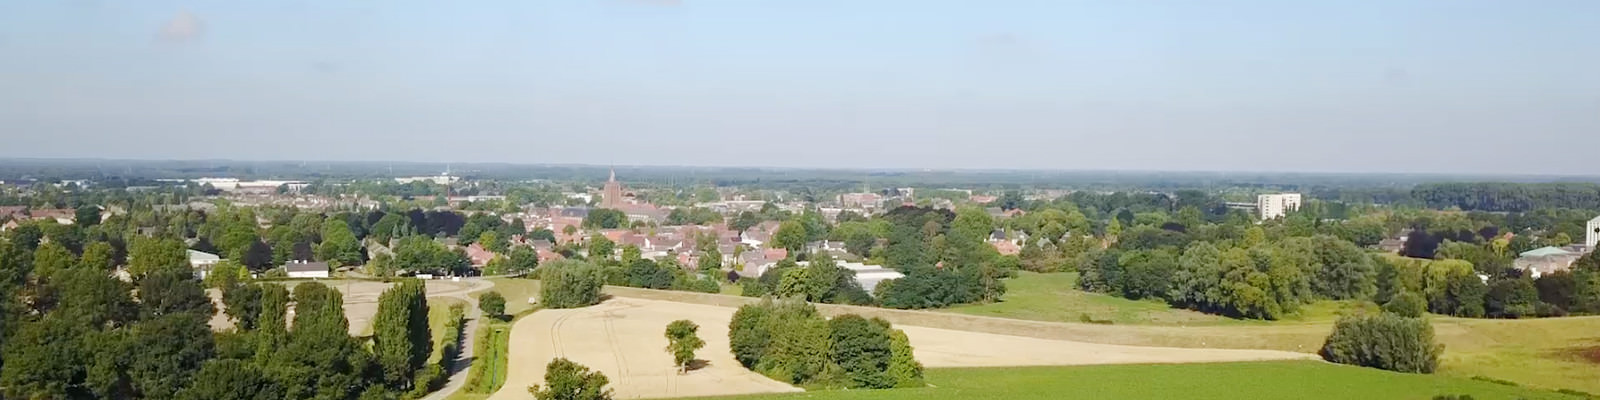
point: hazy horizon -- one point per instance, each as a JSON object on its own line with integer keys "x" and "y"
{"x": 1433, "y": 87}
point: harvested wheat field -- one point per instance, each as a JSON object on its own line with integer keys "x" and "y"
{"x": 623, "y": 338}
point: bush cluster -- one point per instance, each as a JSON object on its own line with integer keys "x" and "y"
{"x": 569, "y": 284}
{"x": 788, "y": 341}
{"x": 1386, "y": 341}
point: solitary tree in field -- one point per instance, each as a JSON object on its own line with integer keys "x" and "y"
{"x": 682, "y": 341}
{"x": 492, "y": 304}
{"x": 567, "y": 380}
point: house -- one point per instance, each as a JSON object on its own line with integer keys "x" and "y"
{"x": 548, "y": 255}
{"x": 1006, "y": 247}
{"x": 13, "y": 212}
{"x": 64, "y": 216}
{"x": 306, "y": 269}
{"x": 1545, "y": 260}
{"x": 479, "y": 255}
{"x": 202, "y": 262}
{"x": 821, "y": 246}
{"x": 9, "y": 225}
{"x": 1391, "y": 245}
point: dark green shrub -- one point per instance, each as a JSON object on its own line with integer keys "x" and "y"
{"x": 569, "y": 284}
{"x": 1407, "y": 304}
{"x": 1385, "y": 341}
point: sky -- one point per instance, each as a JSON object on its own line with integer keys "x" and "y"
{"x": 1446, "y": 86}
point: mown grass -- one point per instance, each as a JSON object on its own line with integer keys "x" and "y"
{"x": 1545, "y": 353}
{"x": 488, "y": 371}
{"x": 438, "y": 325}
{"x": 1254, "y": 380}
{"x": 517, "y": 291}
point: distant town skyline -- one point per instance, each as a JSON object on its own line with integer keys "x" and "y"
{"x": 1452, "y": 87}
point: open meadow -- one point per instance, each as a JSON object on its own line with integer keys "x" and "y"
{"x": 1306, "y": 380}
{"x": 1553, "y": 353}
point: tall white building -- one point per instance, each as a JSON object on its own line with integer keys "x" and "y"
{"x": 1277, "y": 205}
{"x": 1591, "y": 232}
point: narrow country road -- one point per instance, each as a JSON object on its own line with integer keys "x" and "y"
{"x": 469, "y": 336}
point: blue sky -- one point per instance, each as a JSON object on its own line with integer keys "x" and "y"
{"x": 1311, "y": 85}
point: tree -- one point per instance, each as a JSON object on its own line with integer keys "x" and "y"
{"x": 522, "y": 260}
{"x": 567, "y": 380}
{"x": 601, "y": 248}
{"x": 1406, "y": 304}
{"x": 492, "y": 304}
{"x": 150, "y": 255}
{"x": 231, "y": 380}
{"x": 242, "y": 302}
{"x": 87, "y": 216}
{"x": 98, "y": 256}
{"x": 682, "y": 341}
{"x": 570, "y": 284}
{"x": 173, "y": 292}
{"x": 339, "y": 244}
{"x": 271, "y": 328}
{"x": 605, "y": 218}
{"x": 165, "y": 351}
{"x": 226, "y": 273}
{"x": 52, "y": 257}
{"x": 903, "y": 366}
{"x": 1511, "y": 298}
{"x": 1385, "y": 341}
{"x": 791, "y": 235}
{"x": 861, "y": 347}
{"x": 401, "y": 341}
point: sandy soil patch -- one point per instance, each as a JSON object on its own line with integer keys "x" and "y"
{"x": 623, "y": 338}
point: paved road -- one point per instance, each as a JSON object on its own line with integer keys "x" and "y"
{"x": 469, "y": 336}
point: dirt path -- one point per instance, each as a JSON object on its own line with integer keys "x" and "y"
{"x": 623, "y": 338}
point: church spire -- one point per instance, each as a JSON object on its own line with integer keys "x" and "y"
{"x": 613, "y": 176}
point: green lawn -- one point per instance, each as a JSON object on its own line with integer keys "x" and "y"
{"x": 1257, "y": 380}
{"x": 516, "y": 291}
{"x": 438, "y": 316}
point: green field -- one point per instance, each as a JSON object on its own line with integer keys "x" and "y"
{"x": 516, "y": 291}
{"x": 438, "y": 316}
{"x": 1546, "y": 352}
{"x": 1257, "y": 380}
{"x": 1055, "y": 297}
{"x": 489, "y": 363}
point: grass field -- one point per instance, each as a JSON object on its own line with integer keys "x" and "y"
{"x": 1546, "y": 353}
{"x": 1258, "y": 380}
{"x": 1055, "y": 297}
{"x": 438, "y": 316}
{"x": 516, "y": 291}
{"x": 489, "y": 365}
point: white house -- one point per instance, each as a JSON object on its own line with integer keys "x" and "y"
{"x": 306, "y": 269}
{"x": 1591, "y": 232}
{"x": 202, "y": 262}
